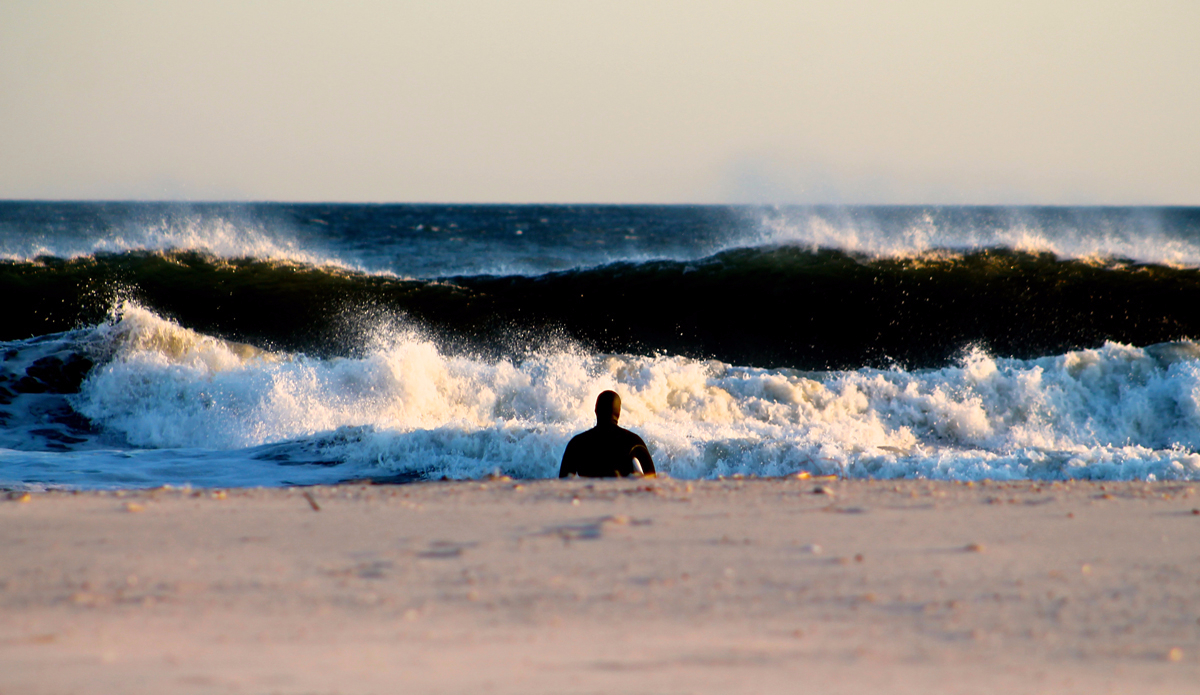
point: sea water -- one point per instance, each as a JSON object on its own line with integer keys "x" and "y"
{"x": 275, "y": 344}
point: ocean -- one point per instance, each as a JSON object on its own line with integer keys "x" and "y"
{"x": 271, "y": 344}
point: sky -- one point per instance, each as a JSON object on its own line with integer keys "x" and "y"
{"x": 656, "y": 101}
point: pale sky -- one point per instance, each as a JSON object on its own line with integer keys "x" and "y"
{"x": 913, "y": 101}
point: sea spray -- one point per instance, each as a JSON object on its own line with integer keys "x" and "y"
{"x": 407, "y": 407}
{"x": 1143, "y": 235}
{"x": 279, "y": 344}
{"x": 80, "y": 230}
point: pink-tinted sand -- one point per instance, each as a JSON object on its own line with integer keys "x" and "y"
{"x": 655, "y": 586}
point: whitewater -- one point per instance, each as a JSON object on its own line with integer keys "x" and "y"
{"x": 177, "y": 407}
{"x": 140, "y": 398}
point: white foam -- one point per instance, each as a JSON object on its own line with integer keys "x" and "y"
{"x": 1140, "y": 237}
{"x": 1113, "y": 412}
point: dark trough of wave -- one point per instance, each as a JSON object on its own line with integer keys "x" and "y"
{"x": 773, "y": 307}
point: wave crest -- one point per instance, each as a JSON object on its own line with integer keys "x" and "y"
{"x": 1092, "y": 234}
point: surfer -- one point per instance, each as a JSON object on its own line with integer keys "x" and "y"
{"x": 606, "y": 450}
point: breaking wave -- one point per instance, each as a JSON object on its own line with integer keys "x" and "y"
{"x": 406, "y": 408}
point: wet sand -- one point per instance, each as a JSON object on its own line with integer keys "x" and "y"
{"x": 659, "y": 586}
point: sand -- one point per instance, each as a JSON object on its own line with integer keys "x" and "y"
{"x": 657, "y": 586}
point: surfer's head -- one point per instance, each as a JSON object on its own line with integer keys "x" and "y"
{"x": 608, "y": 408}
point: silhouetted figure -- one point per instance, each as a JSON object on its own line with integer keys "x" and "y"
{"x": 606, "y": 451}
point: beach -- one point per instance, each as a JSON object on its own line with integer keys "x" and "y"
{"x": 543, "y": 586}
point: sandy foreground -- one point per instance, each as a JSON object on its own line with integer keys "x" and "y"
{"x": 657, "y": 586}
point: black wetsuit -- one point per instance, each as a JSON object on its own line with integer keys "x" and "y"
{"x": 605, "y": 451}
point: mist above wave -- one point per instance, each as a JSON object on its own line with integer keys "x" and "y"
{"x": 430, "y": 241}
{"x": 71, "y": 231}
{"x": 1169, "y": 237}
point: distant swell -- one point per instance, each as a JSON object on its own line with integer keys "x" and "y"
{"x": 769, "y": 307}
